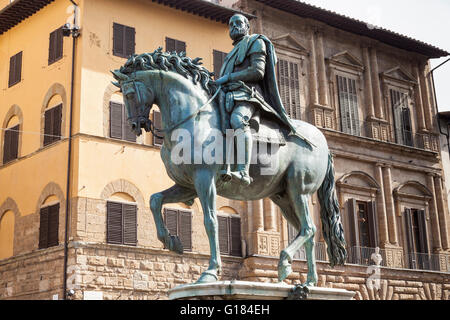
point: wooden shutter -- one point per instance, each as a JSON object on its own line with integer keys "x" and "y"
{"x": 15, "y": 69}
{"x": 114, "y": 230}
{"x": 118, "y": 40}
{"x": 48, "y": 126}
{"x": 175, "y": 45}
{"x": 348, "y": 102}
{"x": 11, "y": 144}
{"x": 157, "y": 122}
{"x": 219, "y": 58}
{"x": 57, "y": 119}
{"x": 43, "y": 228}
{"x": 185, "y": 229}
{"x": 406, "y": 127}
{"x": 53, "y": 225}
{"x": 397, "y": 112}
{"x": 130, "y": 41}
{"x": 235, "y": 236}
{"x": 353, "y": 222}
{"x": 224, "y": 242}
{"x": 171, "y": 221}
{"x": 129, "y": 224}
{"x": 115, "y": 120}
{"x": 289, "y": 86}
{"x": 55, "y": 50}
{"x": 423, "y": 243}
{"x": 409, "y": 239}
{"x": 373, "y": 224}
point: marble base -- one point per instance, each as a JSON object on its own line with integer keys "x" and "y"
{"x": 244, "y": 290}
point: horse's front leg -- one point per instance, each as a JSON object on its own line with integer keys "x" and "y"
{"x": 173, "y": 195}
{"x": 204, "y": 181}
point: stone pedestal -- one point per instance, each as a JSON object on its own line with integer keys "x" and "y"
{"x": 244, "y": 290}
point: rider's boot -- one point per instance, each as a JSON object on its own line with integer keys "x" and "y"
{"x": 242, "y": 169}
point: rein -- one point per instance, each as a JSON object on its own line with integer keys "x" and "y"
{"x": 170, "y": 129}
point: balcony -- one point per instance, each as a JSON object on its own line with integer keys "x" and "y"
{"x": 367, "y": 257}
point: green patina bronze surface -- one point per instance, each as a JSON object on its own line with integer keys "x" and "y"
{"x": 190, "y": 100}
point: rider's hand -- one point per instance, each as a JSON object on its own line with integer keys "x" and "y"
{"x": 222, "y": 80}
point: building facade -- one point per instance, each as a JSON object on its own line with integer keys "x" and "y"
{"x": 64, "y": 133}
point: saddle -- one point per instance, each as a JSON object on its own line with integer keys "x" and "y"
{"x": 266, "y": 131}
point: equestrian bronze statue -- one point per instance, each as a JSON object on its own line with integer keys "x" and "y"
{"x": 198, "y": 113}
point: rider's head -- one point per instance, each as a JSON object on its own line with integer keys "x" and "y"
{"x": 239, "y": 26}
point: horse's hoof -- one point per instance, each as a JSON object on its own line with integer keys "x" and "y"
{"x": 175, "y": 245}
{"x": 208, "y": 276}
{"x": 284, "y": 267}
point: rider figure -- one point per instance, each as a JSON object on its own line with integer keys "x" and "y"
{"x": 249, "y": 85}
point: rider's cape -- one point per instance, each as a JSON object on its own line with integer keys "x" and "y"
{"x": 269, "y": 85}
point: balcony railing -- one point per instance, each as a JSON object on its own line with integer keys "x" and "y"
{"x": 368, "y": 256}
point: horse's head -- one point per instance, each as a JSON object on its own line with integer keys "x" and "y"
{"x": 138, "y": 99}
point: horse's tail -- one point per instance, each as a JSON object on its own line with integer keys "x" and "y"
{"x": 333, "y": 231}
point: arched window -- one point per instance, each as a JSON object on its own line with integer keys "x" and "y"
{"x": 11, "y": 140}
{"x": 6, "y": 234}
{"x": 121, "y": 220}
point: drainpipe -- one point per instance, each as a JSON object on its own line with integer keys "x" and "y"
{"x": 69, "y": 30}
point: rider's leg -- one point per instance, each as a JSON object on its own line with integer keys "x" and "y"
{"x": 240, "y": 118}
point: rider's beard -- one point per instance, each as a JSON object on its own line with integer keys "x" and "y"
{"x": 238, "y": 33}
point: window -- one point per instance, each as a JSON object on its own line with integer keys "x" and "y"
{"x": 363, "y": 226}
{"x": 15, "y": 69}
{"x": 119, "y": 126}
{"x": 55, "y": 49}
{"x": 179, "y": 223}
{"x": 289, "y": 85}
{"x": 175, "y": 45}
{"x": 416, "y": 239}
{"x": 402, "y": 118}
{"x": 121, "y": 221}
{"x": 11, "y": 144}
{"x": 230, "y": 235}
{"x": 49, "y": 225}
{"x": 348, "y": 102}
{"x": 157, "y": 122}
{"x": 52, "y": 125}
{"x": 219, "y": 58}
{"x": 124, "y": 40}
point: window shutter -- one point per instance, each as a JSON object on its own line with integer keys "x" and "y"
{"x": 223, "y": 235}
{"x": 353, "y": 222}
{"x": 185, "y": 229}
{"x": 18, "y": 76}
{"x": 11, "y": 144}
{"x": 118, "y": 40}
{"x": 409, "y": 239}
{"x": 43, "y": 228}
{"x": 180, "y": 46}
{"x": 114, "y": 234}
{"x": 219, "y": 58}
{"x": 52, "y": 48}
{"x": 348, "y": 102}
{"x": 53, "y": 225}
{"x": 129, "y": 224}
{"x": 59, "y": 49}
{"x": 15, "y": 69}
{"x": 157, "y": 122}
{"x": 373, "y": 224}
{"x": 423, "y": 243}
{"x": 289, "y": 86}
{"x": 128, "y": 134}
{"x": 235, "y": 236}
{"x": 48, "y": 125}
{"x": 397, "y": 112}
{"x": 115, "y": 118}
{"x": 130, "y": 41}
{"x": 407, "y": 128}
{"x": 170, "y": 45}
{"x": 175, "y": 45}
{"x": 57, "y": 119}
{"x": 171, "y": 221}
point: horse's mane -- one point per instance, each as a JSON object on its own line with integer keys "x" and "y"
{"x": 176, "y": 62}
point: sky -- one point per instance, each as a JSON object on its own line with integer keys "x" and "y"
{"x": 427, "y": 21}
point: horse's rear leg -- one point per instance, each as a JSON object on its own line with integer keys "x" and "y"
{"x": 303, "y": 222}
{"x": 173, "y": 195}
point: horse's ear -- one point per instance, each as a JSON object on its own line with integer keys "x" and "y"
{"x": 116, "y": 84}
{"x": 119, "y": 75}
